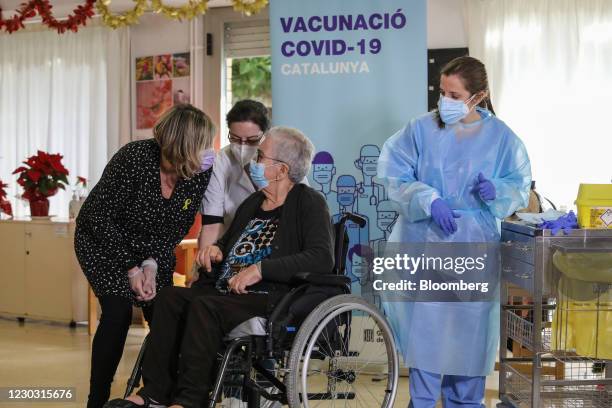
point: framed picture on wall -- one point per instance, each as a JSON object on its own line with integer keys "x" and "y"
{"x": 161, "y": 81}
{"x": 181, "y": 64}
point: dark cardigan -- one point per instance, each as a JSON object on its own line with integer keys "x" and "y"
{"x": 303, "y": 241}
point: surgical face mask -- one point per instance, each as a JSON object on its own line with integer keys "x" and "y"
{"x": 358, "y": 270}
{"x": 346, "y": 199}
{"x": 256, "y": 171}
{"x": 322, "y": 176}
{"x": 243, "y": 152}
{"x": 207, "y": 158}
{"x": 369, "y": 166}
{"x": 385, "y": 224}
{"x": 451, "y": 110}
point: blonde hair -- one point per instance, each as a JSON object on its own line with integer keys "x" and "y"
{"x": 182, "y": 133}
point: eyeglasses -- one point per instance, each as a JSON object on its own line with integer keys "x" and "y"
{"x": 261, "y": 156}
{"x": 249, "y": 140}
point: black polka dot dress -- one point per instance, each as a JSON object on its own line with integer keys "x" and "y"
{"x": 126, "y": 220}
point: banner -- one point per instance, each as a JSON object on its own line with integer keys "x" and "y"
{"x": 349, "y": 74}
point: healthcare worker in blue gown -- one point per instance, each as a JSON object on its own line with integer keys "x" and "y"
{"x": 455, "y": 172}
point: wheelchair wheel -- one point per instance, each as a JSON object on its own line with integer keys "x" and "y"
{"x": 343, "y": 351}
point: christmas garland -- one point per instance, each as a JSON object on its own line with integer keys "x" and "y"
{"x": 189, "y": 11}
{"x": 78, "y": 17}
{"x": 186, "y": 12}
{"x": 82, "y": 13}
{"x": 249, "y": 7}
{"x": 120, "y": 20}
{"x": 15, "y": 23}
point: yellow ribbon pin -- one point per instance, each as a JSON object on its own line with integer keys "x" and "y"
{"x": 186, "y": 204}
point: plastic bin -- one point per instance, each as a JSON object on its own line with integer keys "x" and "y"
{"x": 583, "y": 318}
{"x": 594, "y": 204}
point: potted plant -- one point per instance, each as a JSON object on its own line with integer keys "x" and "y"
{"x": 5, "y": 205}
{"x": 41, "y": 177}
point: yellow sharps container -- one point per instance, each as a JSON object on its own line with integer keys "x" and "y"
{"x": 594, "y": 204}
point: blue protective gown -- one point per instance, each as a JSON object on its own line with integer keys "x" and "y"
{"x": 419, "y": 164}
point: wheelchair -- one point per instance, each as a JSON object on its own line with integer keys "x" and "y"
{"x": 319, "y": 346}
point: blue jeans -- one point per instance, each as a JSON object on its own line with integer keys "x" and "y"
{"x": 457, "y": 391}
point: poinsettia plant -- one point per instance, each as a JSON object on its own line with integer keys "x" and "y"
{"x": 42, "y": 176}
{"x": 3, "y": 193}
{"x": 5, "y": 205}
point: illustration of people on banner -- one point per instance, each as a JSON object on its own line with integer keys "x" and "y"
{"x": 366, "y": 198}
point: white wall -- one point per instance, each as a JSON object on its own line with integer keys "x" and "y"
{"x": 446, "y": 24}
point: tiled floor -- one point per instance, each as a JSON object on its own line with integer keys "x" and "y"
{"x": 41, "y": 354}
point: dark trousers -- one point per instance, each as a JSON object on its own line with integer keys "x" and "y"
{"x": 186, "y": 335}
{"x": 108, "y": 344}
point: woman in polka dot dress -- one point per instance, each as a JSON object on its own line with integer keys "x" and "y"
{"x": 130, "y": 224}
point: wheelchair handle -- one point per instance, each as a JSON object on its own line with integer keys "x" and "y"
{"x": 357, "y": 219}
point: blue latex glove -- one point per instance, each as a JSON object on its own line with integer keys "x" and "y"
{"x": 566, "y": 223}
{"x": 444, "y": 216}
{"x": 485, "y": 189}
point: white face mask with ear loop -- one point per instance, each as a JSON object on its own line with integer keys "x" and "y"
{"x": 243, "y": 153}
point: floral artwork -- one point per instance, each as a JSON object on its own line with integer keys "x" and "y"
{"x": 181, "y": 64}
{"x": 144, "y": 69}
{"x": 163, "y": 66}
{"x": 181, "y": 90}
{"x": 161, "y": 82}
{"x": 153, "y": 98}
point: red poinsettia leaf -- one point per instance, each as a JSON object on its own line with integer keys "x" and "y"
{"x": 57, "y": 166}
{"x": 31, "y": 161}
{"x": 5, "y": 206}
{"x": 34, "y": 175}
{"x": 20, "y": 169}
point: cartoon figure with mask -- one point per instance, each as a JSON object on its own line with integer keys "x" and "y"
{"x": 346, "y": 187}
{"x": 387, "y": 214}
{"x": 323, "y": 172}
{"x": 358, "y": 265}
{"x": 359, "y": 259}
{"x": 370, "y": 192}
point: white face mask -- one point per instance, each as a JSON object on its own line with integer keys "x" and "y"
{"x": 243, "y": 153}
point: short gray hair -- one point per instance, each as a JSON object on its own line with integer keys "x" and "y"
{"x": 294, "y": 148}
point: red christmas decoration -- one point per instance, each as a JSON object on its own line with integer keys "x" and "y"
{"x": 78, "y": 17}
{"x": 15, "y": 23}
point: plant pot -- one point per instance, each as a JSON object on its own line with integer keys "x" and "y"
{"x": 39, "y": 207}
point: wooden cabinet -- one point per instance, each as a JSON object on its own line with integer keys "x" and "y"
{"x": 12, "y": 267}
{"x": 39, "y": 275}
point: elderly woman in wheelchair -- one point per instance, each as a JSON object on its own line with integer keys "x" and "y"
{"x": 276, "y": 260}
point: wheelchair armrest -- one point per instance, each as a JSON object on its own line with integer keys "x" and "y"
{"x": 320, "y": 279}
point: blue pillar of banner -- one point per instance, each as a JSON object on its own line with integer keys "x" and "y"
{"x": 349, "y": 74}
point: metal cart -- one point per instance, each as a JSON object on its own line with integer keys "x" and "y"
{"x": 546, "y": 368}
